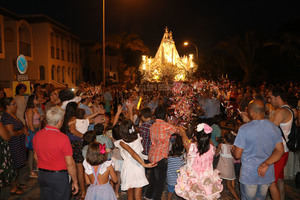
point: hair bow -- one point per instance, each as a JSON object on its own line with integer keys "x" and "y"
{"x": 207, "y": 129}
{"x": 131, "y": 130}
{"x": 102, "y": 148}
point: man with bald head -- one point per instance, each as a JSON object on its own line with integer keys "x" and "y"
{"x": 258, "y": 145}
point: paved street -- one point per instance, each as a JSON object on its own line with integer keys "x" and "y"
{"x": 32, "y": 193}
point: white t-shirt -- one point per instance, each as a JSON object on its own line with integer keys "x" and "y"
{"x": 82, "y": 125}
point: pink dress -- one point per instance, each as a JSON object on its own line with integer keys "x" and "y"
{"x": 197, "y": 179}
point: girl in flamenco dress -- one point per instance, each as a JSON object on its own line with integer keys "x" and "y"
{"x": 197, "y": 180}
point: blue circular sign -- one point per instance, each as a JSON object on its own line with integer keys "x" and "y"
{"x": 22, "y": 64}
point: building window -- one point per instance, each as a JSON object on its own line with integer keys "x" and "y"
{"x": 72, "y": 51}
{"x": 78, "y": 54}
{"x": 1, "y": 37}
{"x": 53, "y": 72}
{"x": 68, "y": 49}
{"x": 62, "y": 54}
{"x": 42, "y": 72}
{"x": 76, "y": 60}
{"x": 57, "y": 47}
{"x": 76, "y": 75}
{"x": 52, "y": 45}
{"x": 58, "y": 73}
{"x": 24, "y": 40}
{"x": 9, "y": 35}
{"x": 63, "y": 74}
{"x": 62, "y": 49}
{"x": 73, "y": 72}
{"x": 69, "y": 71}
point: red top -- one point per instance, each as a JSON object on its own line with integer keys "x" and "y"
{"x": 51, "y": 147}
{"x": 160, "y": 133}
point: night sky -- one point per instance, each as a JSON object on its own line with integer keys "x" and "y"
{"x": 204, "y": 22}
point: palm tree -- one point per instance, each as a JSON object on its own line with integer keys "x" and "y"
{"x": 129, "y": 47}
{"x": 244, "y": 50}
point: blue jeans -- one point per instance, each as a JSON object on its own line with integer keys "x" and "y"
{"x": 254, "y": 192}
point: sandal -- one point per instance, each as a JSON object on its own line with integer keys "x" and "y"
{"x": 33, "y": 175}
{"x": 22, "y": 186}
{"x": 79, "y": 196}
{"x": 13, "y": 191}
{"x": 82, "y": 196}
{"x": 19, "y": 191}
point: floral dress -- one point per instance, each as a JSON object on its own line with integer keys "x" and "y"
{"x": 16, "y": 143}
{"x": 7, "y": 172}
{"x": 197, "y": 179}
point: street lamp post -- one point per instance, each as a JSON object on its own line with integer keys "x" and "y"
{"x": 103, "y": 42}
{"x": 188, "y": 43}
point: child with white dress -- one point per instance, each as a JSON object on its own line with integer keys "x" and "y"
{"x": 197, "y": 179}
{"x": 133, "y": 176}
{"x": 226, "y": 163}
{"x": 98, "y": 172}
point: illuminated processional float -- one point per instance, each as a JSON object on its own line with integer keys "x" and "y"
{"x": 167, "y": 65}
{"x": 167, "y": 71}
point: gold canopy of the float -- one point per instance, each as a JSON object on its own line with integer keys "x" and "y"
{"x": 167, "y": 65}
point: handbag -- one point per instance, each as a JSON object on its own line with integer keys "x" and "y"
{"x": 29, "y": 140}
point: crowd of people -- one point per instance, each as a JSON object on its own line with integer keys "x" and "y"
{"x": 193, "y": 138}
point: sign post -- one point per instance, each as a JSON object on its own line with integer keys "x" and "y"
{"x": 22, "y": 64}
{"x": 22, "y": 77}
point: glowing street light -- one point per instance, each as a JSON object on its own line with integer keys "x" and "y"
{"x": 186, "y": 43}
